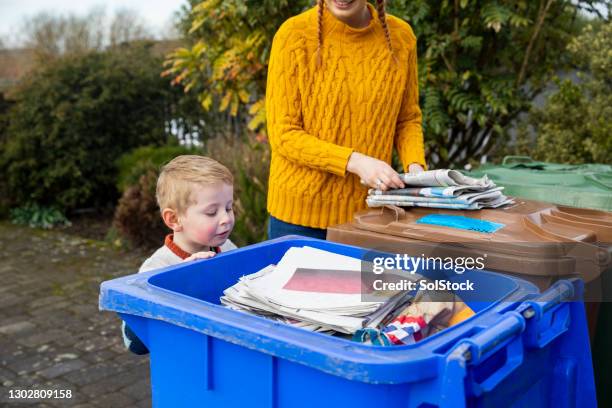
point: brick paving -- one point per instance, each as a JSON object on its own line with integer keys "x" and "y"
{"x": 52, "y": 336}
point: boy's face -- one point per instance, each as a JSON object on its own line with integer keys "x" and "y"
{"x": 209, "y": 220}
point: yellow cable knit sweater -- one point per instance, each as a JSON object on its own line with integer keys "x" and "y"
{"x": 359, "y": 99}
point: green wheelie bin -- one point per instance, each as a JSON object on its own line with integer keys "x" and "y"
{"x": 582, "y": 186}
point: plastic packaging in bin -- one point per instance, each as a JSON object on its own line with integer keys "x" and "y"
{"x": 522, "y": 350}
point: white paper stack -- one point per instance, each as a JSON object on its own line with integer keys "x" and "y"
{"x": 442, "y": 189}
{"x": 310, "y": 288}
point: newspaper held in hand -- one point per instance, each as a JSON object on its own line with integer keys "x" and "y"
{"x": 441, "y": 189}
{"x": 444, "y": 178}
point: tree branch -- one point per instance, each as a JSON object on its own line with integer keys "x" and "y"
{"x": 448, "y": 64}
{"x": 534, "y": 36}
{"x": 455, "y": 34}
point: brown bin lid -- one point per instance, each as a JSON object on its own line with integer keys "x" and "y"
{"x": 563, "y": 266}
{"x": 525, "y": 222}
{"x": 541, "y": 232}
{"x": 598, "y": 221}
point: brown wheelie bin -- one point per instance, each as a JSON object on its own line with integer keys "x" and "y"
{"x": 539, "y": 241}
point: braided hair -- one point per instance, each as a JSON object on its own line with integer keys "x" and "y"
{"x": 382, "y": 17}
{"x": 321, "y": 6}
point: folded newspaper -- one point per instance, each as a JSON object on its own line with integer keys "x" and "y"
{"x": 441, "y": 189}
{"x": 301, "y": 290}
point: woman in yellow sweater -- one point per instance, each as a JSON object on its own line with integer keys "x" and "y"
{"x": 342, "y": 90}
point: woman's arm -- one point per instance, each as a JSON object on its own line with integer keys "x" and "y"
{"x": 408, "y": 132}
{"x": 284, "y": 111}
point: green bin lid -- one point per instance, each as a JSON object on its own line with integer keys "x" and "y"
{"x": 583, "y": 186}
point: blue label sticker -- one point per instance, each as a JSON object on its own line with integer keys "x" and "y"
{"x": 460, "y": 222}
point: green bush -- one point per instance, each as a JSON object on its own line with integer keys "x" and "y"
{"x": 574, "y": 126}
{"x": 133, "y": 165}
{"x": 74, "y": 118}
{"x": 36, "y": 216}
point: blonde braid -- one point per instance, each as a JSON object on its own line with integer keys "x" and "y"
{"x": 321, "y": 6}
{"x": 380, "y": 8}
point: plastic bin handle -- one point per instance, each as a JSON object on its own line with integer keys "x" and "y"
{"x": 560, "y": 291}
{"x": 516, "y": 159}
{"x": 506, "y": 336}
{"x": 397, "y": 212}
{"x": 542, "y": 327}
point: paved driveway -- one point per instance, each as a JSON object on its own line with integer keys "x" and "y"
{"x": 52, "y": 336}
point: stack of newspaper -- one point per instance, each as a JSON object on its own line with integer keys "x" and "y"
{"x": 441, "y": 189}
{"x": 301, "y": 290}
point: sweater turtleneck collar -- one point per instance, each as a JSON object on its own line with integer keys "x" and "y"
{"x": 334, "y": 26}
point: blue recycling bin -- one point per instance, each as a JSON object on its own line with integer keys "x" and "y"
{"x": 523, "y": 350}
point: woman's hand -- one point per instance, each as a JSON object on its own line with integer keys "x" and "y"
{"x": 200, "y": 255}
{"x": 373, "y": 172}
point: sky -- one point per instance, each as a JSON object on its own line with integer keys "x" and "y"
{"x": 157, "y": 14}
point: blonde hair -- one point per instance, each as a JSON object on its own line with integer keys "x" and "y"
{"x": 179, "y": 176}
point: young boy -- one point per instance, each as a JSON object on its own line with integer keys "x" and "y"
{"x": 195, "y": 198}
